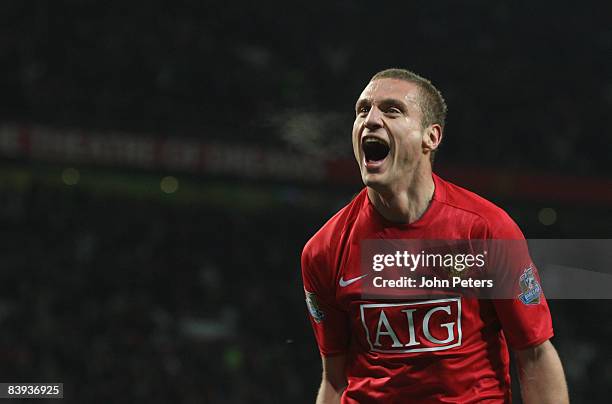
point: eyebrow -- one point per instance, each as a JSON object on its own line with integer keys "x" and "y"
{"x": 385, "y": 101}
{"x": 362, "y": 101}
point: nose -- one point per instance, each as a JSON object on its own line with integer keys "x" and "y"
{"x": 373, "y": 120}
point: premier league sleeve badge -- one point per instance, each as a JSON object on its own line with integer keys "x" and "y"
{"x": 530, "y": 287}
{"x": 313, "y": 307}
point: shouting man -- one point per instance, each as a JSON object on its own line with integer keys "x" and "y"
{"x": 412, "y": 351}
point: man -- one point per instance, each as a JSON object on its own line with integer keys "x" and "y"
{"x": 411, "y": 351}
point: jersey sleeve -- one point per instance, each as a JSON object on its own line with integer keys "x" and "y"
{"x": 329, "y": 322}
{"x": 522, "y": 308}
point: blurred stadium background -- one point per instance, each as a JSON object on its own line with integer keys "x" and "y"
{"x": 163, "y": 163}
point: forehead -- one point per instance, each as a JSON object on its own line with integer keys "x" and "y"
{"x": 384, "y": 89}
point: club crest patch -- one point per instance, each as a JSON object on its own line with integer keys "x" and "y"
{"x": 313, "y": 307}
{"x": 530, "y": 287}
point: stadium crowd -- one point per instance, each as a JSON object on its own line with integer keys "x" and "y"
{"x": 125, "y": 302}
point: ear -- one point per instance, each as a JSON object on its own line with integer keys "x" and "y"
{"x": 432, "y": 136}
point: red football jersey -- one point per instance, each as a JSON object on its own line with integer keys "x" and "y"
{"x": 446, "y": 350}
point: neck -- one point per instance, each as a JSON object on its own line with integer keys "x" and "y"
{"x": 405, "y": 203}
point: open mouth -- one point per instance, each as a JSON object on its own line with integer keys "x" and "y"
{"x": 374, "y": 149}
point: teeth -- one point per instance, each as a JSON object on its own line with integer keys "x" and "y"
{"x": 374, "y": 140}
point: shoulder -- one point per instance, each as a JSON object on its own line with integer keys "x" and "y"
{"x": 323, "y": 245}
{"x": 495, "y": 222}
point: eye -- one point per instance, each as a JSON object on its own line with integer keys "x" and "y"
{"x": 393, "y": 110}
{"x": 364, "y": 109}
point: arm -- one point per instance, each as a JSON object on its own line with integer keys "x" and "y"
{"x": 541, "y": 375}
{"x": 333, "y": 381}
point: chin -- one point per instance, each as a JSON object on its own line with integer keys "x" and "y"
{"x": 374, "y": 181}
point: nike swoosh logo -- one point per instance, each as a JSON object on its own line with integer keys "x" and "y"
{"x": 344, "y": 283}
